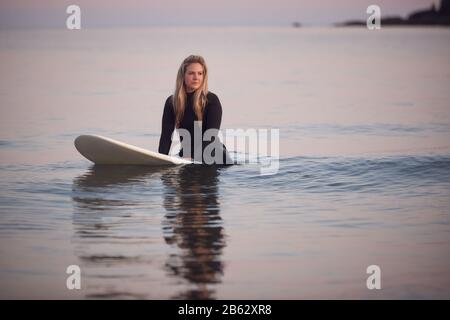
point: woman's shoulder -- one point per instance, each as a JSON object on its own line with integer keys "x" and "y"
{"x": 169, "y": 99}
{"x": 212, "y": 98}
{"x": 169, "y": 102}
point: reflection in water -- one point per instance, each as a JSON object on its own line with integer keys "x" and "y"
{"x": 111, "y": 207}
{"x": 99, "y": 179}
{"x": 110, "y": 175}
{"x": 117, "y": 231}
{"x": 194, "y": 225}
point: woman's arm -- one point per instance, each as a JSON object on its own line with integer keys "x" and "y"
{"x": 168, "y": 125}
{"x": 214, "y": 112}
{"x": 213, "y": 118}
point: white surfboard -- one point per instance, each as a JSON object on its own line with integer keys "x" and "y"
{"x": 102, "y": 150}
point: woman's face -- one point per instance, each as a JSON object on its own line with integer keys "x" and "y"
{"x": 193, "y": 77}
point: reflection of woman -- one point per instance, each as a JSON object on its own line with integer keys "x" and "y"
{"x": 194, "y": 225}
{"x": 193, "y": 102}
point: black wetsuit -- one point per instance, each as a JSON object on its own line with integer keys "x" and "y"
{"x": 212, "y": 117}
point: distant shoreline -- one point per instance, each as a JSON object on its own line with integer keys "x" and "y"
{"x": 430, "y": 17}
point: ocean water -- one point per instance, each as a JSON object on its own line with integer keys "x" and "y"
{"x": 363, "y": 178}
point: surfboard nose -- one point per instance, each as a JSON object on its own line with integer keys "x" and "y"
{"x": 85, "y": 146}
{"x": 81, "y": 140}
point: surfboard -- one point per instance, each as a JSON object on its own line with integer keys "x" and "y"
{"x": 105, "y": 151}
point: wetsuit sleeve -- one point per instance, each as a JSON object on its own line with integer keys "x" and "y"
{"x": 214, "y": 113}
{"x": 167, "y": 128}
{"x": 213, "y": 120}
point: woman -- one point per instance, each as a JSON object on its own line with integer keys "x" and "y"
{"x": 193, "y": 102}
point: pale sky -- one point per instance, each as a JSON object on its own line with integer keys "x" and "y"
{"x": 111, "y": 13}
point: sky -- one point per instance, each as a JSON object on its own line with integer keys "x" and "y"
{"x": 117, "y": 13}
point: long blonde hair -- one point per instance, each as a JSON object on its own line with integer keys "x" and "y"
{"x": 179, "y": 97}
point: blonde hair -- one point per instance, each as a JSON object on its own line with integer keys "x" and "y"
{"x": 179, "y": 97}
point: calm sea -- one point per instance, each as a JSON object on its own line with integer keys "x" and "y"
{"x": 363, "y": 179}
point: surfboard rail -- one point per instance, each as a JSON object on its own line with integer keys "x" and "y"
{"x": 106, "y": 151}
